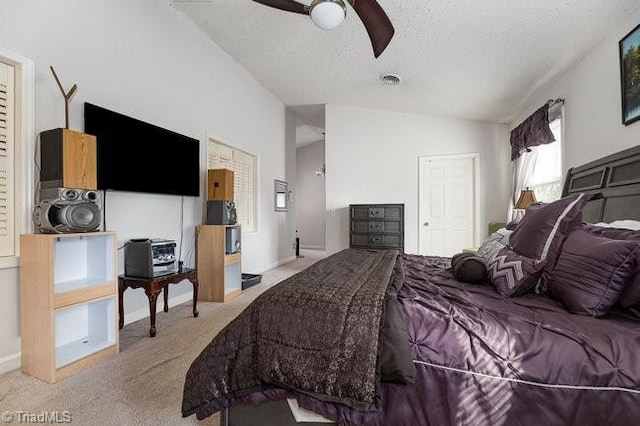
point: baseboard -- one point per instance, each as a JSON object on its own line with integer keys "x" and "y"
{"x": 275, "y": 265}
{"x": 10, "y": 362}
{"x": 312, "y": 247}
{"x": 144, "y": 312}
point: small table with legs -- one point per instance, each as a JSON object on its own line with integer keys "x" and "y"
{"x": 153, "y": 287}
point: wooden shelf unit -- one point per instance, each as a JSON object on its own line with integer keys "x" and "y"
{"x": 219, "y": 274}
{"x": 68, "y": 302}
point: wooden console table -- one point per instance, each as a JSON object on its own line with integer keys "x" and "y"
{"x": 153, "y": 287}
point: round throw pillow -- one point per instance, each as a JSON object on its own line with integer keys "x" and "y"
{"x": 468, "y": 268}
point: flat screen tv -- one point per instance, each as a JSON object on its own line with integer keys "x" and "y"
{"x": 135, "y": 156}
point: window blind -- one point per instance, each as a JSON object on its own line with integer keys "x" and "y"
{"x": 7, "y": 231}
{"x": 243, "y": 165}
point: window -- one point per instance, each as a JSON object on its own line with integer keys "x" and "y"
{"x": 8, "y": 232}
{"x": 244, "y": 167}
{"x": 546, "y": 177}
{"x": 17, "y": 87}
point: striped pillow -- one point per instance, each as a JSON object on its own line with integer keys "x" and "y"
{"x": 513, "y": 274}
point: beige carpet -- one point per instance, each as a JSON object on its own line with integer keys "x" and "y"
{"x": 142, "y": 385}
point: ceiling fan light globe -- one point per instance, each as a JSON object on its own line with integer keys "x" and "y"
{"x": 327, "y": 14}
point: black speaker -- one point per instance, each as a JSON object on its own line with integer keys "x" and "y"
{"x": 65, "y": 210}
{"x": 232, "y": 239}
{"x": 221, "y": 213}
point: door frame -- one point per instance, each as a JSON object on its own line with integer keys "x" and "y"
{"x": 475, "y": 156}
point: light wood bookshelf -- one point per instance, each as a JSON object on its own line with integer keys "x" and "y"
{"x": 219, "y": 273}
{"x": 68, "y": 302}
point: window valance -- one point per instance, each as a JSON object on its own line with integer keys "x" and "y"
{"x": 533, "y": 131}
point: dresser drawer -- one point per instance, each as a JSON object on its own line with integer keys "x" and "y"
{"x": 376, "y": 227}
{"x": 373, "y": 240}
{"x": 382, "y": 212}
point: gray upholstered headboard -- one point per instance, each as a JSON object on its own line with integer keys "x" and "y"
{"x": 617, "y": 176}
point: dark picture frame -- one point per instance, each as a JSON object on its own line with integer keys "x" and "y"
{"x": 629, "y": 48}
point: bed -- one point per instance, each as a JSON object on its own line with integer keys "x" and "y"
{"x": 368, "y": 337}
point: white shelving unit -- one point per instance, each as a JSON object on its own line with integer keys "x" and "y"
{"x": 68, "y": 301}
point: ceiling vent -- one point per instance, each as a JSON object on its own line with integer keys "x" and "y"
{"x": 390, "y": 79}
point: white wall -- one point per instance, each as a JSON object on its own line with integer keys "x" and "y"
{"x": 310, "y": 196}
{"x": 592, "y": 109}
{"x": 144, "y": 59}
{"x": 372, "y": 157}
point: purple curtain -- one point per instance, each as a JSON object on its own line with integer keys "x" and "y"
{"x": 533, "y": 131}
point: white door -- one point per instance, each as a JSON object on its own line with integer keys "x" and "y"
{"x": 447, "y": 204}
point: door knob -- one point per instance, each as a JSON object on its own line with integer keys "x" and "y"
{"x": 425, "y": 224}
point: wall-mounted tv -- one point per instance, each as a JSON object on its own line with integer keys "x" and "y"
{"x": 135, "y": 156}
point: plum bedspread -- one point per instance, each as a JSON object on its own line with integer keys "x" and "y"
{"x": 319, "y": 332}
{"x": 480, "y": 359}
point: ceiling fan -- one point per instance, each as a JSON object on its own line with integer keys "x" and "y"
{"x": 328, "y": 14}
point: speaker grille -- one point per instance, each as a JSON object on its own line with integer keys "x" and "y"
{"x": 60, "y": 216}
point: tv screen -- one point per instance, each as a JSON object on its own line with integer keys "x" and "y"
{"x": 136, "y": 156}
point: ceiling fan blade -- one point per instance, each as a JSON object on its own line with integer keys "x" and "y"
{"x": 376, "y": 22}
{"x": 286, "y": 5}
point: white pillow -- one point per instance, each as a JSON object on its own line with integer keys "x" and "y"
{"x": 633, "y": 225}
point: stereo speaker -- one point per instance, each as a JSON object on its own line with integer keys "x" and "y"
{"x": 221, "y": 213}
{"x": 219, "y": 185}
{"x": 68, "y": 159}
{"x": 66, "y": 210}
{"x": 232, "y": 240}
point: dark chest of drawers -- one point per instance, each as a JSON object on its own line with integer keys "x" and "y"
{"x": 376, "y": 226}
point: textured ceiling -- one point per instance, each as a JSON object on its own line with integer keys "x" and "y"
{"x": 476, "y": 60}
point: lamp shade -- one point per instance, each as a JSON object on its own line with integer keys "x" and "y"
{"x": 327, "y": 14}
{"x": 527, "y": 197}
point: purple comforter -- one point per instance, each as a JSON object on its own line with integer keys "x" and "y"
{"x": 487, "y": 360}
{"x": 483, "y": 359}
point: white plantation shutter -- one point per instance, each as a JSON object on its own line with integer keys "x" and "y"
{"x": 243, "y": 165}
{"x": 7, "y": 184}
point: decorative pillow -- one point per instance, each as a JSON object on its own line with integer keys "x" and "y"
{"x": 592, "y": 272}
{"x": 541, "y": 232}
{"x": 493, "y": 244}
{"x": 513, "y": 274}
{"x": 468, "y": 268}
{"x": 629, "y": 231}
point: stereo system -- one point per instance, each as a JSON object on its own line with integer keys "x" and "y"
{"x": 149, "y": 258}
{"x": 221, "y": 213}
{"x": 64, "y": 210}
{"x": 67, "y": 200}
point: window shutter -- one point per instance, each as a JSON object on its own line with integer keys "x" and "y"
{"x": 243, "y": 165}
{"x": 7, "y": 220}
{"x": 243, "y": 185}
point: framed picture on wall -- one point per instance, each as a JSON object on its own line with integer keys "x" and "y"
{"x": 630, "y": 76}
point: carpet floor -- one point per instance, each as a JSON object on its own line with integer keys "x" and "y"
{"x": 143, "y": 384}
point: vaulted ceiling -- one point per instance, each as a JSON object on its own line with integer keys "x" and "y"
{"x": 476, "y": 60}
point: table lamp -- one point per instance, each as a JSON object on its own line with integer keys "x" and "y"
{"x": 527, "y": 197}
